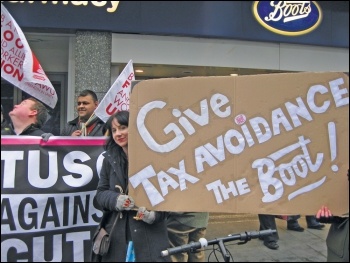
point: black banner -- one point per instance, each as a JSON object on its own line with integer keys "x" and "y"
{"x": 47, "y": 192}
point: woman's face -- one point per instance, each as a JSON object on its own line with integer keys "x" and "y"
{"x": 120, "y": 133}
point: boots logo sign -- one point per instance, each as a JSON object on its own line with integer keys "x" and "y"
{"x": 289, "y": 18}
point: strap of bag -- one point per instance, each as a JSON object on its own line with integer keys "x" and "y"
{"x": 107, "y": 213}
{"x": 104, "y": 219}
{"x": 114, "y": 223}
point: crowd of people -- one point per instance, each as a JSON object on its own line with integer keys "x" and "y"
{"x": 137, "y": 224}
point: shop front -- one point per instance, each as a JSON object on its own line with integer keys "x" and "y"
{"x": 85, "y": 45}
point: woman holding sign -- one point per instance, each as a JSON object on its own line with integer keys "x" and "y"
{"x": 146, "y": 229}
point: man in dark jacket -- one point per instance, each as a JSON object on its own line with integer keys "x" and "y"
{"x": 86, "y": 124}
{"x": 28, "y": 117}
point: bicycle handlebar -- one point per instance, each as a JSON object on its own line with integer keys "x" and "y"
{"x": 244, "y": 236}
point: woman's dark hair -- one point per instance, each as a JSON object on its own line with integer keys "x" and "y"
{"x": 123, "y": 119}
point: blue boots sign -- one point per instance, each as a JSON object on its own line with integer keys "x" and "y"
{"x": 289, "y": 18}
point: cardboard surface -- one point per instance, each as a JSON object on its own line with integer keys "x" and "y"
{"x": 275, "y": 143}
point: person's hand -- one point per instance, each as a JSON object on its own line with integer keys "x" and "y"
{"x": 124, "y": 202}
{"x": 46, "y": 136}
{"x": 76, "y": 133}
{"x": 324, "y": 215}
{"x": 323, "y": 212}
{"x": 145, "y": 216}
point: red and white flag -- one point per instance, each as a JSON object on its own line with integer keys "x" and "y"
{"x": 19, "y": 65}
{"x": 118, "y": 96}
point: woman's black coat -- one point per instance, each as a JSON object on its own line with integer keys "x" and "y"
{"x": 149, "y": 239}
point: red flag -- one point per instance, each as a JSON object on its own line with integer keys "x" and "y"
{"x": 19, "y": 65}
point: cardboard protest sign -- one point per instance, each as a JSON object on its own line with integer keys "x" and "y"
{"x": 275, "y": 144}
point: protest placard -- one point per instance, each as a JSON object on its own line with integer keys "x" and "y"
{"x": 273, "y": 144}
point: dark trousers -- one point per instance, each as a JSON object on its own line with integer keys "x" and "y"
{"x": 292, "y": 221}
{"x": 268, "y": 222}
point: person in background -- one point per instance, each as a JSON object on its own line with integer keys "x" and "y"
{"x": 5, "y": 127}
{"x": 338, "y": 235}
{"x": 184, "y": 228}
{"x": 146, "y": 229}
{"x": 293, "y": 224}
{"x": 52, "y": 124}
{"x": 269, "y": 222}
{"x": 86, "y": 104}
{"x": 28, "y": 117}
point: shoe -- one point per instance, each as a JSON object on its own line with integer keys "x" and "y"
{"x": 295, "y": 228}
{"x": 318, "y": 226}
{"x": 271, "y": 244}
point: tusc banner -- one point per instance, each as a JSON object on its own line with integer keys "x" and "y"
{"x": 47, "y": 192}
{"x": 19, "y": 65}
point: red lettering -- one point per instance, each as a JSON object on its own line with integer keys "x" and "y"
{"x": 126, "y": 84}
{"x": 124, "y": 107}
{"x": 38, "y": 77}
{"x": 19, "y": 43}
{"x": 120, "y": 93}
{"x": 108, "y": 111}
{"x": 8, "y": 35}
{"x": 9, "y": 69}
{"x": 131, "y": 76}
{"x": 18, "y": 75}
{"x": 119, "y": 102}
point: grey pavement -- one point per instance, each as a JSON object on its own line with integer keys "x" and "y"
{"x": 307, "y": 246}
